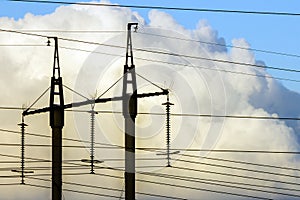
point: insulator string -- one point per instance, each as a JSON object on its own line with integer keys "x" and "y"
{"x": 92, "y": 137}
{"x": 22, "y": 126}
{"x": 168, "y": 127}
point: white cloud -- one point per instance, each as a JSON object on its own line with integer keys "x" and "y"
{"x": 25, "y": 73}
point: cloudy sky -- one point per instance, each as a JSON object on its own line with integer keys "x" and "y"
{"x": 198, "y": 85}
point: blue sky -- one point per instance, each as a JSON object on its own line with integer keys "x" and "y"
{"x": 275, "y": 33}
{"x": 200, "y": 93}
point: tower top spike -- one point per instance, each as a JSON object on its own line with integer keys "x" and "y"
{"x": 129, "y": 53}
{"x": 56, "y": 67}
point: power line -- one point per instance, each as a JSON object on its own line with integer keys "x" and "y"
{"x": 103, "y": 93}
{"x": 68, "y": 31}
{"x": 110, "y": 168}
{"x": 9, "y": 184}
{"x": 22, "y": 45}
{"x": 193, "y": 178}
{"x": 200, "y": 171}
{"x": 241, "y": 162}
{"x": 48, "y": 174}
{"x": 181, "y": 114}
{"x": 194, "y": 162}
{"x": 76, "y": 191}
{"x": 64, "y": 138}
{"x": 161, "y": 149}
{"x": 29, "y": 158}
{"x": 9, "y": 176}
{"x": 220, "y": 150}
{"x": 210, "y": 180}
{"x": 152, "y": 83}
{"x": 187, "y": 65}
{"x": 75, "y": 92}
{"x": 162, "y": 52}
{"x": 165, "y": 8}
{"x": 217, "y": 60}
{"x": 176, "y": 149}
{"x": 201, "y": 189}
{"x": 43, "y": 168}
{"x": 77, "y": 184}
{"x": 225, "y": 116}
{"x": 172, "y": 177}
{"x": 49, "y": 145}
{"x": 238, "y": 168}
{"x": 188, "y": 187}
{"x": 79, "y": 160}
{"x": 109, "y": 188}
{"x": 223, "y": 45}
{"x": 196, "y": 179}
{"x": 27, "y": 109}
{"x": 236, "y": 175}
{"x": 150, "y": 34}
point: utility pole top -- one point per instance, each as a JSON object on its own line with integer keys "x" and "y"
{"x": 56, "y": 67}
{"x": 129, "y": 54}
{"x": 56, "y": 90}
{"x": 129, "y": 25}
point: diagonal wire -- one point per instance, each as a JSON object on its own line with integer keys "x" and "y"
{"x": 172, "y": 177}
{"x": 76, "y": 191}
{"x": 150, "y": 81}
{"x": 76, "y": 92}
{"x": 241, "y": 162}
{"x": 187, "y": 65}
{"x": 196, "y": 179}
{"x": 27, "y": 109}
{"x": 223, "y": 45}
{"x": 202, "y": 189}
{"x": 162, "y": 52}
{"x": 110, "y": 87}
{"x": 238, "y": 168}
{"x": 236, "y": 175}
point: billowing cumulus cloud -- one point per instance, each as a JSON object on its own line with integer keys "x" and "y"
{"x": 196, "y": 85}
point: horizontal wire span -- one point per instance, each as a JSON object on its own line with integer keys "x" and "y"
{"x": 202, "y": 180}
{"x": 223, "y": 45}
{"x": 172, "y": 177}
{"x": 76, "y": 191}
{"x": 196, "y": 178}
{"x": 162, "y": 7}
{"x": 241, "y": 162}
{"x": 145, "y": 33}
{"x": 152, "y": 149}
{"x": 109, "y": 168}
{"x": 237, "y": 168}
{"x": 178, "y": 114}
{"x": 160, "y": 52}
{"x": 236, "y": 175}
{"x": 183, "y": 186}
{"x": 199, "y": 67}
{"x": 107, "y": 188}
{"x": 187, "y": 65}
{"x": 162, "y": 149}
